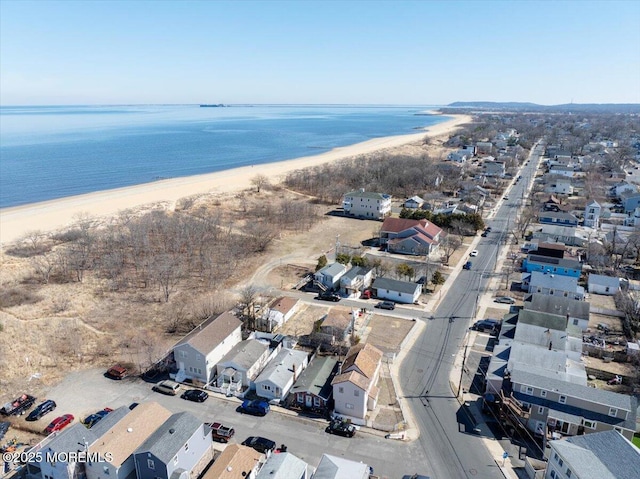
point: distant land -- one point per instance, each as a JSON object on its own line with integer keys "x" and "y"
{"x": 219, "y": 105}
{"x": 566, "y": 108}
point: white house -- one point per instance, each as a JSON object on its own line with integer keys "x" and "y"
{"x": 592, "y": 214}
{"x": 552, "y": 284}
{"x": 354, "y": 389}
{"x": 561, "y": 170}
{"x": 600, "y": 284}
{"x": 197, "y": 354}
{"x": 333, "y": 467}
{"x": 622, "y": 187}
{"x": 280, "y": 311}
{"x": 414, "y": 202}
{"x": 559, "y": 186}
{"x": 356, "y": 280}
{"x": 398, "y": 291}
{"x": 459, "y": 156}
{"x": 493, "y": 168}
{"x": 367, "y": 204}
{"x": 236, "y": 462}
{"x": 330, "y": 275}
{"x": 277, "y": 378}
{"x": 240, "y": 367}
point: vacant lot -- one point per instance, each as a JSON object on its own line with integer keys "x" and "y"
{"x": 387, "y": 333}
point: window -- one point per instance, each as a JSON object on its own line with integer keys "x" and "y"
{"x": 348, "y": 406}
{"x": 183, "y": 354}
{"x": 575, "y": 322}
{"x": 316, "y": 401}
{"x": 175, "y": 461}
{"x": 151, "y": 464}
{"x": 568, "y": 472}
{"x": 540, "y": 409}
{"x": 186, "y": 448}
{"x": 543, "y": 394}
{"x": 589, "y": 424}
{"x": 562, "y": 399}
{"x": 555, "y": 456}
{"x": 553, "y": 474}
{"x": 106, "y": 470}
{"x": 341, "y": 390}
{"x": 356, "y": 392}
{"x": 525, "y": 405}
{"x": 526, "y": 390}
{"x": 613, "y": 412}
{"x": 560, "y": 462}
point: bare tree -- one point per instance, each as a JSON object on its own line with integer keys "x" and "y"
{"x": 43, "y": 266}
{"x": 248, "y": 296}
{"x": 166, "y": 270}
{"x": 260, "y": 181}
{"x": 449, "y": 246}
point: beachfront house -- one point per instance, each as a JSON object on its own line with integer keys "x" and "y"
{"x": 197, "y": 354}
{"x": 367, "y": 204}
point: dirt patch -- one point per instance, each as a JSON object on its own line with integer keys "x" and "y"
{"x": 387, "y": 333}
{"x": 302, "y": 323}
{"x": 602, "y": 301}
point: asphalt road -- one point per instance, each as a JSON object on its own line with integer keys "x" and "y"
{"x": 445, "y": 447}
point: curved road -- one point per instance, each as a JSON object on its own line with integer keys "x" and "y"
{"x": 424, "y": 374}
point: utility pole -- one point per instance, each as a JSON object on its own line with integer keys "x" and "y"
{"x": 464, "y": 358}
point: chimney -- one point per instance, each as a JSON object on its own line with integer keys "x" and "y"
{"x": 550, "y": 345}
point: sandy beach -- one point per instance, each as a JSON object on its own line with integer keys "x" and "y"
{"x": 15, "y": 222}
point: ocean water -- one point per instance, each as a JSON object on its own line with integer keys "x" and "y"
{"x": 58, "y": 151}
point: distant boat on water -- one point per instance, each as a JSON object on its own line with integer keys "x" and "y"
{"x": 219, "y": 105}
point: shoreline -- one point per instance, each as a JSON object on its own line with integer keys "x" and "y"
{"x": 50, "y": 215}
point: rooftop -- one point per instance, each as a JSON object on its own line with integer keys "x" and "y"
{"x": 169, "y": 438}
{"x": 316, "y": 379}
{"x": 205, "y": 337}
{"x": 235, "y": 462}
{"x": 245, "y": 354}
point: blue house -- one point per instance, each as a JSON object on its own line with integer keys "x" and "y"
{"x": 557, "y": 218}
{"x": 547, "y": 264}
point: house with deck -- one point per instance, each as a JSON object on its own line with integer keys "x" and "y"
{"x": 407, "y": 236}
{"x": 329, "y": 276}
{"x": 238, "y": 369}
{"x": 355, "y": 281}
{"x": 367, "y": 204}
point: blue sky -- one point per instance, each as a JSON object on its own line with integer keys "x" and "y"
{"x": 359, "y": 52}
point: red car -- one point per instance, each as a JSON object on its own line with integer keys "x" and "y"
{"x": 59, "y": 423}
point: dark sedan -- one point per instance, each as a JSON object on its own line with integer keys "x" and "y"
{"x": 195, "y": 395}
{"x": 341, "y": 428}
{"x": 260, "y": 444}
{"x": 42, "y": 409}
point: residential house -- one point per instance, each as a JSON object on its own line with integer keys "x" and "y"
{"x": 414, "y": 202}
{"x": 551, "y": 250}
{"x": 546, "y": 264}
{"x": 277, "y": 378}
{"x": 284, "y": 465}
{"x": 355, "y": 281}
{"x": 333, "y": 467}
{"x": 236, "y": 462}
{"x": 121, "y": 441}
{"x": 569, "y": 235}
{"x": 630, "y": 201}
{"x": 367, "y": 204}
{"x": 330, "y": 275}
{"x": 65, "y": 446}
{"x": 592, "y": 213}
{"x": 576, "y": 312}
{"x": 618, "y": 190}
{"x": 600, "y": 284}
{"x": 493, "y": 168}
{"x": 552, "y": 284}
{"x": 459, "y": 156}
{"x": 280, "y": 310}
{"x": 470, "y": 150}
{"x": 561, "y": 170}
{"x": 557, "y": 218}
{"x": 605, "y": 455}
{"x": 558, "y": 186}
{"x": 484, "y": 147}
{"x": 552, "y": 204}
{"x": 238, "y": 369}
{"x": 197, "y": 354}
{"x": 337, "y": 325}
{"x": 407, "y": 236}
{"x": 354, "y": 389}
{"x": 110, "y": 420}
{"x": 395, "y": 290}
{"x": 179, "y": 449}
{"x": 567, "y": 408}
{"x": 313, "y": 388}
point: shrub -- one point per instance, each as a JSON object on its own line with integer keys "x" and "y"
{"x": 16, "y": 296}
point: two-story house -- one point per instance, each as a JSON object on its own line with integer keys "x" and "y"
{"x": 179, "y": 449}
{"x": 329, "y": 276}
{"x": 354, "y": 389}
{"x": 367, "y": 204}
{"x": 546, "y": 264}
{"x": 576, "y": 312}
{"x": 592, "y": 213}
{"x": 236, "y": 462}
{"x": 197, "y": 354}
{"x": 238, "y": 369}
{"x": 407, "y": 236}
{"x": 356, "y": 280}
{"x": 277, "y": 378}
{"x": 552, "y": 284}
{"x": 284, "y": 465}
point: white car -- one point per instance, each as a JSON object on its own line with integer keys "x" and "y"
{"x": 474, "y": 253}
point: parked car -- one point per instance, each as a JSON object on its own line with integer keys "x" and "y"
{"x": 117, "y": 372}
{"x": 254, "y": 407}
{"x": 488, "y": 229}
{"x": 414, "y": 476}
{"x": 41, "y": 409}
{"x": 195, "y": 395}
{"x": 18, "y": 406}
{"x": 486, "y": 325}
{"x": 485, "y": 234}
{"x": 505, "y": 300}
{"x": 260, "y": 444}
{"x": 467, "y": 265}
{"x": 59, "y": 423}
{"x": 329, "y": 297}
{"x": 93, "y": 419}
{"x": 386, "y": 305}
{"x": 168, "y": 387}
{"x": 221, "y": 433}
{"x": 474, "y": 253}
{"x": 341, "y": 428}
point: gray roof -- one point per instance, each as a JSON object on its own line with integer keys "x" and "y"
{"x": 395, "y": 285}
{"x": 332, "y": 269}
{"x": 316, "y": 379}
{"x": 280, "y": 369}
{"x": 205, "y": 337}
{"x": 605, "y": 455}
{"x": 332, "y": 467}
{"x": 283, "y": 466}
{"x": 355, "y": 272}
{"x": 603, "y": 280}
{"x": 71, "y": 438}
{"x": 544, "y": 320}
{"x": 546, "y": 303}
{"x": 245, "y": 353}
{"x": 110, "y": 420}
{"x": 557, "y": 215}
{"x": 554, "y": 281}
{"x": 548, "y": 260}
{"x": 368, "y": 194}
{"x": 169, "y": 438}
{"x": 586, "y": 393}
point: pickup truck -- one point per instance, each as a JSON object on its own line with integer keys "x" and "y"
{"x": 221, "y": 433}
{"x": 18, "y": 406}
